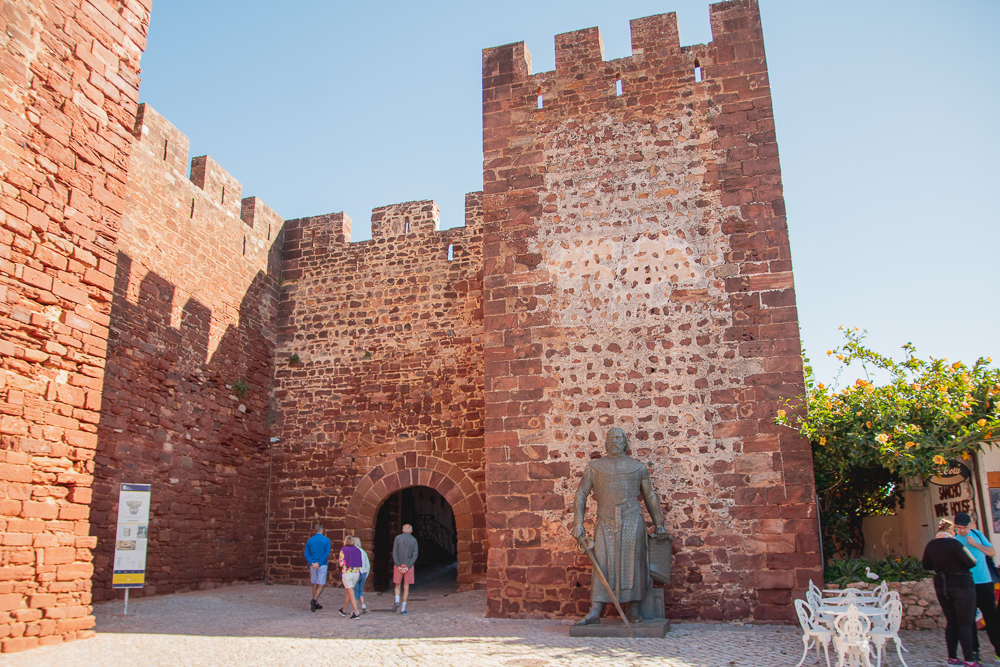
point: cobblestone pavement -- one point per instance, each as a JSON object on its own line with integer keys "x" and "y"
{"x": 271, "y": 625}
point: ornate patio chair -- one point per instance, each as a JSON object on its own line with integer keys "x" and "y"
{"x": 812, "y": 631}
{"x": 888, "y": 596}
{"x": 852, "y": 638}
{"x": 814, "y": 599}
{"x": 887, "y": 628}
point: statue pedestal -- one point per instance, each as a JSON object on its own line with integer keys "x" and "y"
{"x": 613, "y": 627}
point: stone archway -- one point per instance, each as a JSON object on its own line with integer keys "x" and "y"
{"x": 453, "y": 483}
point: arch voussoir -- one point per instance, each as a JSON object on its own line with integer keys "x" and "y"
{"x": 454, "y": 485}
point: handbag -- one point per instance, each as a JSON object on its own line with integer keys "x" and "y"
{"x": 990, "y": 565}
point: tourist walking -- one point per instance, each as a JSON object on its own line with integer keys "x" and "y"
{"x": 317, "y": 554}
{"x": 980, "y": 548}
{"x": 951, "y": 562}
{"x": 366, "y": 566}
{"x": 350, "y": 568}
{"x": 404, "y": 556}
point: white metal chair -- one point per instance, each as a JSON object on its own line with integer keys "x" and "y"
{"x": 815, "y": 589}
{"x": 814, "y": 599}
{"x": 887, "y": 628}
{"x": 812, "y": 630}
{"x": 888, "y": 596}
{"x": 852, "y": 638}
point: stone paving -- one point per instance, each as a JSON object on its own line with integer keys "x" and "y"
{"x": 255, "y": 624}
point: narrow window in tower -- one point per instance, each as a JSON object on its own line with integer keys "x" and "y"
{"x": 223, "y": 199}
{"x": 697, "y": 71}
{"x": 244, "y": 246}
{"x": 541, "y": 101}
{"x": 618, "y": 88}
{"x": 192, "y": 207}
{"x": 406, "y": 225}
{"x": 451, "y": 251}
{"x": 166, "y": 143}
{"x": 269, "y": 232}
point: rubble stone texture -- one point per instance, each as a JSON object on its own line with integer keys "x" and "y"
{"x": 385, "y": 388}
{"x": 627, "y": 264}
{"x": 637, "y": 274}
{"x": 69, "y": 79}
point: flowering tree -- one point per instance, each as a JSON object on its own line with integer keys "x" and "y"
{"x": 867, "y": 439}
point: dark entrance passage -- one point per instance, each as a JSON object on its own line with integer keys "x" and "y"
{"x": 434, "y": 527}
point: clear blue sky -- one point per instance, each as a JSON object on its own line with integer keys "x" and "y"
{"x": 886, "y": 113}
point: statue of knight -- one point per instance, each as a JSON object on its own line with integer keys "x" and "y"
{"x": 617, "y": 480}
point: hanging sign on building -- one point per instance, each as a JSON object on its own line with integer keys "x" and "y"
{"x": 952, "y": 491}
{"x": 131, "y": 535}
{"x": 954, "y": 473}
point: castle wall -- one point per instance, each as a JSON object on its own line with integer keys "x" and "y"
{"x": 68, "y": 88}
{"x": 379, "y": 378}
{"x": 190, "y": 359}
{"x": 637, "y": 274}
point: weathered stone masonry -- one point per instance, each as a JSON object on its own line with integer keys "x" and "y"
{"x": 626, "y": 264}
{"x": 69, "y": 74}
{"x": 190, "y": 360}
{"x": 385, "y": 388}
{"x": 637, "y": 274}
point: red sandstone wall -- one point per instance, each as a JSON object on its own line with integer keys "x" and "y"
{"x": 385, "y": 390}
{"x": 69, "y": 78}
{"x": 193, "y": 315}
{"x": 637, "y": 274}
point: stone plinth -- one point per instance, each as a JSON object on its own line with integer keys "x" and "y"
{"x": 615, "y": 628}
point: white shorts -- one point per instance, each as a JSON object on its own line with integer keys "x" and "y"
{"x": 317, "y": 576}
{"x": 350, "y": 578}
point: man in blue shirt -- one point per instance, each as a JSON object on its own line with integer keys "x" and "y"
{"x": 318, "y": 556}
{"x": 985, "y": 600}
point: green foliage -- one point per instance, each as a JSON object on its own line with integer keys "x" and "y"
{"x": 845, "y": 572}
{"x": 240, "y": 388}
{"x": 293, "y": 359}
{"x": 867, "y": 439}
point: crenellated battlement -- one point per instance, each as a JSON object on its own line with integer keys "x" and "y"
{"x": 410, "y": 217}
{"x": 211, "y": 192}
{"x": 219, "y": 185}
{"x": 658, "y": 61}
{"x": 158, "y": 136}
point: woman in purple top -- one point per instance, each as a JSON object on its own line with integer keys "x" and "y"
{"x": 350, "y": 561}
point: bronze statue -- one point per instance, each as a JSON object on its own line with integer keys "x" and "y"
{"x": 616, "y": 481}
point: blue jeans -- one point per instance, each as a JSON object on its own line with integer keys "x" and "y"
{"x": 359, "y": 587}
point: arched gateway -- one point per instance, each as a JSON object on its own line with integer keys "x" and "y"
{"x": 453, "y": 483}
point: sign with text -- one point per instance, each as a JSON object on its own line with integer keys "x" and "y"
{"x": 948, "y": 500}
{"x": 131, "y": 536}
{"x": 955, "y": 472}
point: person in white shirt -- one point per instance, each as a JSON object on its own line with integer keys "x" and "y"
{"x": 366, "y": 566}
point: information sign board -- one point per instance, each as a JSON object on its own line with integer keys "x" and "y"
{"x": 131, "y": 536}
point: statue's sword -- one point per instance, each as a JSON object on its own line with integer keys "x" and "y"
{"x": 582, "y": 544}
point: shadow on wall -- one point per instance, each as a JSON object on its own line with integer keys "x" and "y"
{"x": 193, "y": 422}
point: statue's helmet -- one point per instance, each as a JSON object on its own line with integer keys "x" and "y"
{"x": 617, "y": 439}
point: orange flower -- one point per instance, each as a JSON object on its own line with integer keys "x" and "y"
{"x": 910, "y": 443}
{"x": 965, "y": 456}
{"x": 940, "y": 460}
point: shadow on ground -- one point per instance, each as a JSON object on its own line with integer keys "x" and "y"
{"x": 256, "y": 624}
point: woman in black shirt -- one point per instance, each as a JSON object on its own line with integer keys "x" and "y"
{"x": 951, "y": 562}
